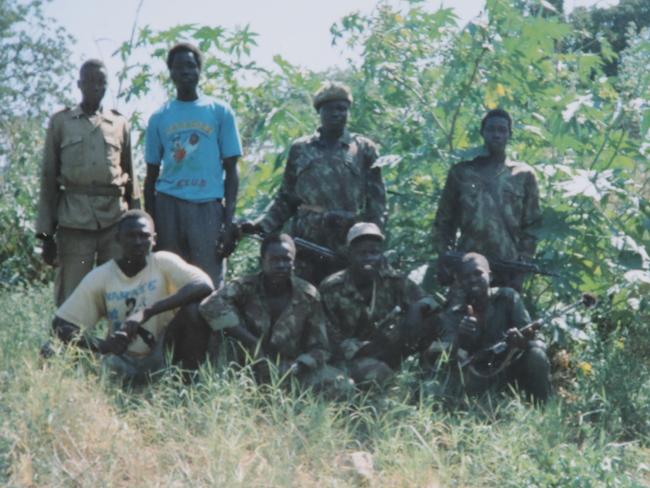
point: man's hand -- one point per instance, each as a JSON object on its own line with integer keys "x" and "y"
{"x": 519, "y": 339}
{"x": 250, "y": 227}
{"x": 132, "y": 322}
{"x": 515, "y": 339}
{"x": 339, "y": 218}
{"x": 117, "y": 343}
{"x": 230, "y": 235}
{"x": 49, "y": 251}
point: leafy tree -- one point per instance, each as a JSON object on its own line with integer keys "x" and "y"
{"x": 608, "y": 30}
{"x": 34, "y": 79}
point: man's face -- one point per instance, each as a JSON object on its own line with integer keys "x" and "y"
{"x": 474, "y": 278}
{"x": 366, "y": 256}
{"x": 184, "y": 71}
{"x": 334, "y": 115}
{"x": 496, "y": 134}
{"x": 277, "y": 262}
{"x": 137, "y": 237}
{"x": 92, "y": 83}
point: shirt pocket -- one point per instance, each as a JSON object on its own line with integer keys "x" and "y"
{"x": 72, "y": 150}
{"x": 113, "y": 150}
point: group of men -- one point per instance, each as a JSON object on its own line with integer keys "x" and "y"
{"x": 335, "y": 321}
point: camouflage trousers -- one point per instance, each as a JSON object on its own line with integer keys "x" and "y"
{"x": 530, "y": 372}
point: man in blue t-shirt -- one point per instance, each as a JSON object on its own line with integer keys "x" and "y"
{"x": 192, "y": 146}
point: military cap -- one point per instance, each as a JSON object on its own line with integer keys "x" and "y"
{"x": 363, "y": 229}
{"x": 330, "y": 91}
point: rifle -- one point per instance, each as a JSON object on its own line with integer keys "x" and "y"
{"x": 495, "y": 358}
{"x": 305, "y": 245}
{"x": 454, "y": 258}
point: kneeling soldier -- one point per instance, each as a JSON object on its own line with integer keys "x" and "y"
{"x": 479, "y": 317}
{"x": 276, "y": 317}
{"x": 146, "y": 297}
{"x": 366, "y": 305}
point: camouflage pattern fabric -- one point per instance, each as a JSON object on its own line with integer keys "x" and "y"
{"x": 318, "y": 179}
{"x": 352, "y": 321}
{"x": 505, "y": 310}
{"x": 494, "y": 213}
{"x": 299, "y": 329}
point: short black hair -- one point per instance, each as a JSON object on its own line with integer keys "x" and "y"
{"x": 497, "y": 112}
{"x": 276, "y": 238}
{"x": 135, "y": 213}
{"x": 182, "y": 47}
{"x": 92, "y": 63}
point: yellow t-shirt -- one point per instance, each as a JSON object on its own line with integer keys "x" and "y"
{"x": 106, "y": 292}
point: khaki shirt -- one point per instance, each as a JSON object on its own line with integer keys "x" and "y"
{"x": 299, "y": 329}
{"x": 494, "y": 213}
{"x": 87, "y": 175}
{"x": 318, "y": 179}
{"x": 348, "y": 314}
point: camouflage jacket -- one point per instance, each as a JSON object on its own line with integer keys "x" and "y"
{"x": 494, "y": 214}
{"x": 299, "y": 329}
{"x": 349, "y": 316}
{"x": 318, "y": 179}
{"x": 505, "y": 310}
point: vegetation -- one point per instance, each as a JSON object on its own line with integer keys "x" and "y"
{"x": 420, "y": 84}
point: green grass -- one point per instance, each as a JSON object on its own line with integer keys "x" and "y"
{"x": 63, "y": 424}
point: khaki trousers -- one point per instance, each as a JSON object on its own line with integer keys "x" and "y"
{"x": 78, "y": 252}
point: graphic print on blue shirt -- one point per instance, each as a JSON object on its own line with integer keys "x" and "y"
{"x": 190, "y": 139}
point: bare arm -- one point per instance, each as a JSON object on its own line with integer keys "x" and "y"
{"x": 132, "y": 190}
{"x": 231, "y": 188}
{"x": 153, "y": 171}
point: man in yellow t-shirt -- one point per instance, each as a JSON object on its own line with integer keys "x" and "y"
{"x": 149, "y": 299}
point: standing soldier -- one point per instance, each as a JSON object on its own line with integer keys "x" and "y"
{"x": 195, "y": 140}
{"x": 493, "y": 202}
{"x": 329, "y": 184}
{"x": 87, "y": 182}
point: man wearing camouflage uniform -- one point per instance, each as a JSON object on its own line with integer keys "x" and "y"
{"x": 479, "y": 316}
{"x": 275, "y": 316}
{"x": 87, "y": 183}
{"x": 493, "y": 201}
{"x": 366, "y": 305}
{"x": 329, "y": 184}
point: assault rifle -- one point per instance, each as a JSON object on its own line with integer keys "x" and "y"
{"x": 452, "y": 259}
{"x": 302, "y": 244}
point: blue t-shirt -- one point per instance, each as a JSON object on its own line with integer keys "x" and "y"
{"x": 191, "y": 139}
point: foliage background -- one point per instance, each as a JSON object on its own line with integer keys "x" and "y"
{"x": 421, "y": 84}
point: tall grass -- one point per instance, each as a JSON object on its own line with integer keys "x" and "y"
{"x": 63, "y": 424}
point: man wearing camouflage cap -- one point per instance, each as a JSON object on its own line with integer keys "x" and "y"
{"x": 329, "y": 184}
{"x": 376, "y": 315}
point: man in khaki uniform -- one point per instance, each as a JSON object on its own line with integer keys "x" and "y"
{"x": 277, "y": 316}
{"x": 87, "y": 182}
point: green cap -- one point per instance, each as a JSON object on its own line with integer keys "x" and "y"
{"x": 330, "y": 91}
